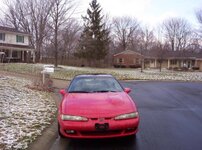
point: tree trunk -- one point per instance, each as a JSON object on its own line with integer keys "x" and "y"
{"x": 56, "y": 44}
{"x": 160, "y": 66}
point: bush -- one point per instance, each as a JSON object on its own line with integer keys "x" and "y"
{"x": 184, "y": 69}
{"x": 123, "y": 66}
{"x": 116, "y": 66}
{"x": 135, "y": 66}
{"x": 119, "y": 66}
{"x": 195, "y": 68}
{"x": 175, "y": 68}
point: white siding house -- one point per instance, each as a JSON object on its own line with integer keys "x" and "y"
{"x": 15, "y": 45}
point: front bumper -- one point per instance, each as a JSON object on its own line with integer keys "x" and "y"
{"x": 87, "y": 129}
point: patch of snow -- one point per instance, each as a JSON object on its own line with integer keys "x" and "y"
{"x": 24, "y": 113}
{"x": 131, "y": 74}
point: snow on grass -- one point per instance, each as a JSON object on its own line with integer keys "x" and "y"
{"x": 24, "y": 113}
{"x": 68, "y": 72}
{"x": 130, "y": 74}
{"x": 22, "y": 68}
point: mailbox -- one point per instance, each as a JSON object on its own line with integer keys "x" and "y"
{"x": 48, "y": 68}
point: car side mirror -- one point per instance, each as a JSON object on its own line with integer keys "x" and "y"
{"x": 127, "y": 90}
{"x": 62, "y": 92}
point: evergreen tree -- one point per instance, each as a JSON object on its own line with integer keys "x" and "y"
{"x": 94, "y": 40}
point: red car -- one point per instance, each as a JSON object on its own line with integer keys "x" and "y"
{"x": 97, "y": 106}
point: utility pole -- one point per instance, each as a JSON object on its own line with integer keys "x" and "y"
{"x": 142, "y": 58}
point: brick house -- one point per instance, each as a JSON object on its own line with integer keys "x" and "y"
{"x": 127, "y": 58}
{"x": 152, "y": 59}
{"x": 199, "y": 63}
{"x": 15, "y": 46}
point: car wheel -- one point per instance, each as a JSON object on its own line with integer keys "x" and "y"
{"x": 131, "y": 138}
{"x": 59, "y": 133}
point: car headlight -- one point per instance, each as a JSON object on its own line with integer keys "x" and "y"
{"x": 127, "y": 116}
{"x": 73, "y": 118}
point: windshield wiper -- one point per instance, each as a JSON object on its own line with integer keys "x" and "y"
{"x": 78, "y": 92}
{"x": 104, "y": 91}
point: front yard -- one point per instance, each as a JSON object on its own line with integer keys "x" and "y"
{"x": 24, "y": 113}
{"x": 67, "y": 72}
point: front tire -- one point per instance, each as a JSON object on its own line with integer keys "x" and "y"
{"x": 131, "y": 138}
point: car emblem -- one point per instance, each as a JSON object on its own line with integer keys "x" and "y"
{"x": 101, "y": 119}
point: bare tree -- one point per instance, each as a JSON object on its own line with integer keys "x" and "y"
{"x": 194, "y": 42}
{"x": 147, "y": 38}
{"x": 70, "y": 38}
{"x": 60, "y": 14}
{"x": 136, "y": 41}
{"x": 199, "y": 17}
{"x": 124, "y": 29}
{"x": 198, "y": 40}
{"x": 142, "y": 41}
{"x": 160, "y": 54}
{"x": 177, "y": 32}
{"x": 40, "y": 18}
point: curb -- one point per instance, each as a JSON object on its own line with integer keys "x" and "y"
{"x": 45, "y": 141}
{"x": 49, "y": 135}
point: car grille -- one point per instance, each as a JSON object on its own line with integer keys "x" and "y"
{"x": 100, "y": 118}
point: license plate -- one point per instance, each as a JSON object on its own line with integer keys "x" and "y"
{"x": 101, "y": 127}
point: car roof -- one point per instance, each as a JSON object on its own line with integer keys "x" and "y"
{"x": 93, "y": 75}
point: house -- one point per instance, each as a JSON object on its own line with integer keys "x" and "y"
{"x": 15, "y": 46}
{"x": 199, "y": 63}
{"x": 153, "y": 59}
{"x": 172, "y": 59}
{"x": 127, "y": 58}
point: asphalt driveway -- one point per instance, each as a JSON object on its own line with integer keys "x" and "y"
{"x": 171, "y": 119}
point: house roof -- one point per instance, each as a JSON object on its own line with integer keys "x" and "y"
{"x": 172, "y": 54}
{"x": 16, "y": 47}
{"x": 166, "y": 54}
{"x": 13, "y": 30}
{"x": 127, "y": 52}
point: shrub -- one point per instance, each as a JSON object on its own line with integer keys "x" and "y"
{"x": 135, "y": 66}
{"x": 195, "y": 68}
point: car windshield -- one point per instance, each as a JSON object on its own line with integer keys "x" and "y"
{"x": 94, "y": 85}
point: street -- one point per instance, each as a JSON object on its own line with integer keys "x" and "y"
{"x": 170, "y": 119}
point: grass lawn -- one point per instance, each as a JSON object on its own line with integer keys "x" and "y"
{"x": 24, "y": 113}
{"x": 67, "y": 72}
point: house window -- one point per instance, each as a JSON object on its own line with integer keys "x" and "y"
{"x": 193, "y": 62}
{"x": 19, "y": 39}
{"x": 173, "y": 62}
{"x": 15, "y": 54}
{"x": 120, "y": 60}
{"x": 2, "y": 36}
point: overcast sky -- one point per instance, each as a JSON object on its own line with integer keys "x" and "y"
{"x": 149, "y": 12}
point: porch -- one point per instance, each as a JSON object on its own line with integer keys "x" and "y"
{"x": 17, "y": 54}
{"x": 171, "y": 63}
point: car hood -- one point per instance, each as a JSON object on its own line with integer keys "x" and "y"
{"x": 93, "y": 105}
